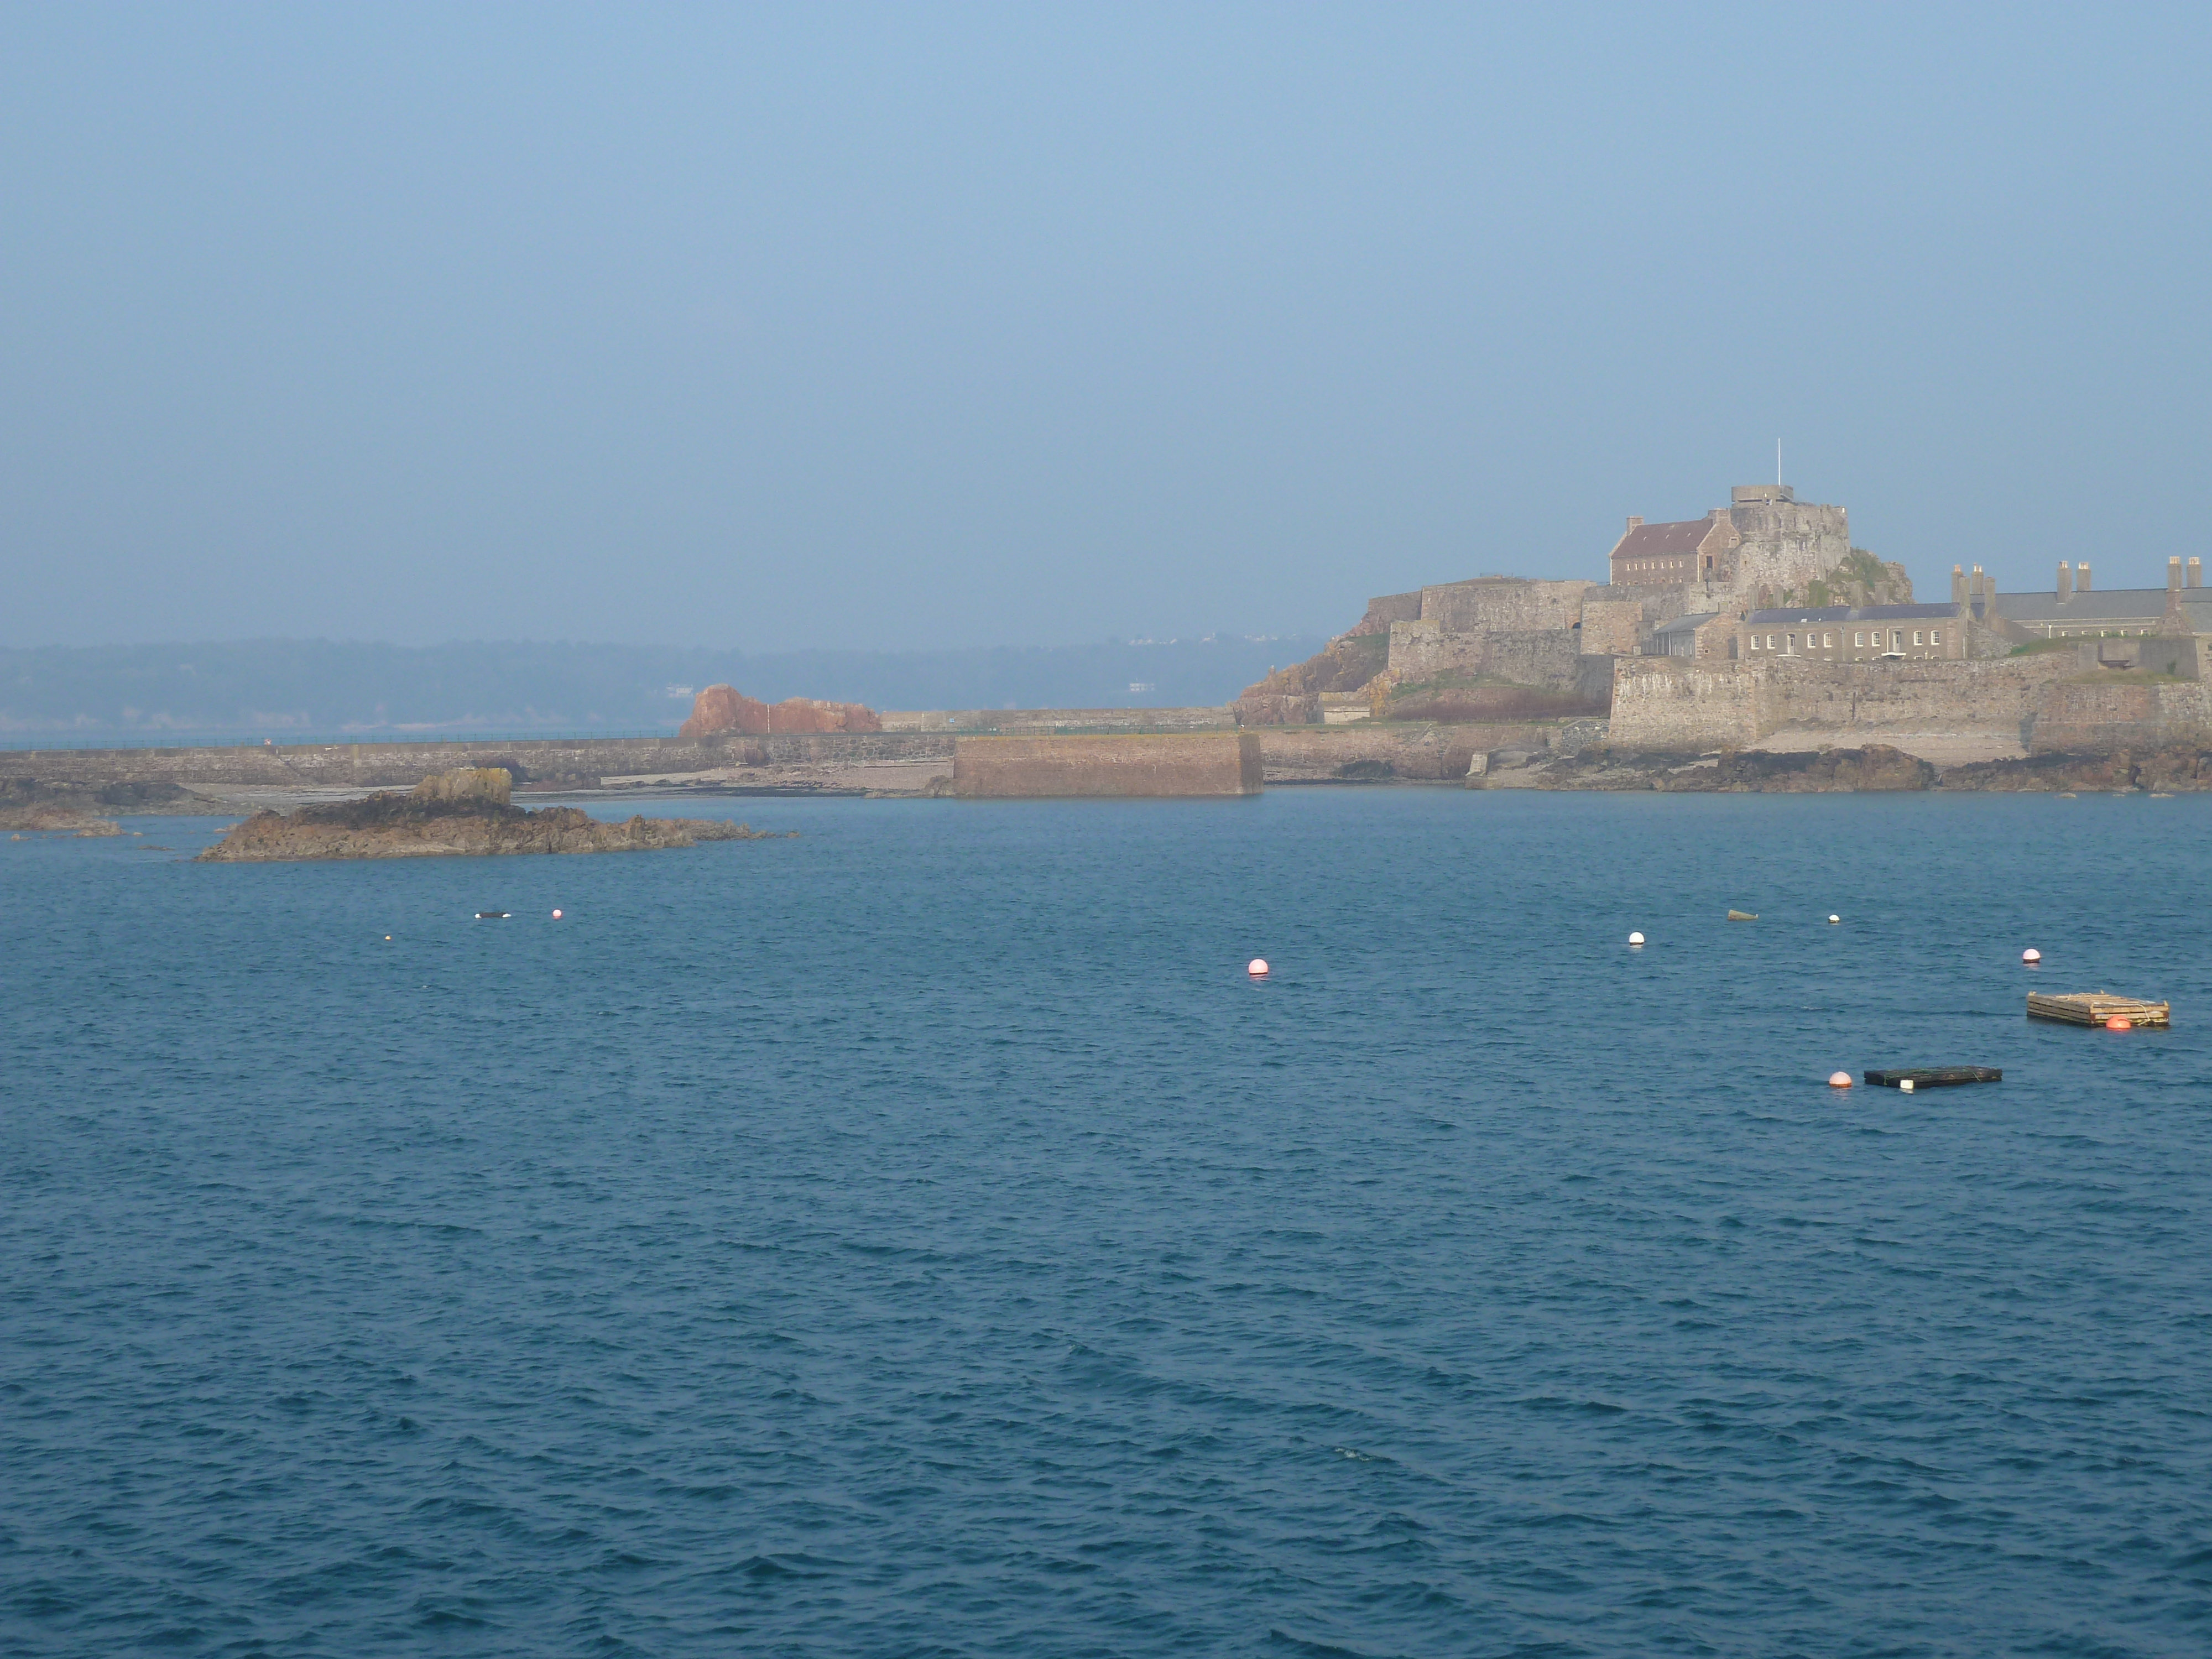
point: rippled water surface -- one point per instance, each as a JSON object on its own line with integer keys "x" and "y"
{"x": 919, "y": 1237}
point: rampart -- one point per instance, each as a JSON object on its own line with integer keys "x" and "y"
{"x": 1421, "y": 651}
{"x": 1194, "y": 763}
{"x": 2078, "y": 718}
{"x": 1662, "y": 702}
{"x": 1379, "y": 751}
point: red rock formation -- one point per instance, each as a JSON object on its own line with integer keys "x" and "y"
{"x": 723, "y": 709}
{"x": 720, "y": 708}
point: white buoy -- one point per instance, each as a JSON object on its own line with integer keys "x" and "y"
{"x": 556, "y": 915}
{"x": 1839, "y": 1079}
{"x": 1832, "y": 921}
{"x": 2031, "y": 955}
{"x": 1906, "y": 1084}
{"x": 1257, "y": 968}
{"x": 1636, "y": 939}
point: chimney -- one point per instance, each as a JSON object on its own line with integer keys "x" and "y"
{"x": 2196, "y": 572}
{"x": 1958, "y": 586}
{"x": 2082, "y": 577}
{"x": 2065, "y": 582}
{"x": 1633, "y": 522}
{"x": 2174, "y": 574}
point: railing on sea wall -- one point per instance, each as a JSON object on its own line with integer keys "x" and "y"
{"x": 323, "y": 740}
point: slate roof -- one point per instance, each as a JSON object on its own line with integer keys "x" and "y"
{"x": 1662, "y": 541}
{"x": 1845, "y": 613}
{"x": 2098, "y": 604}
{"x": 1689, "y": 624}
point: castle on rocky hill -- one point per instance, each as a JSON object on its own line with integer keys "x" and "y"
{"x": 1508, "y": 647}
{"x": 1758, "y": 617}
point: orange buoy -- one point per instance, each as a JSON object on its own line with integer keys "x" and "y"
{"x": 2116, "y": 1024}
{"x": 1257, "y": 968}
{"x": 1839, "y": 1079}
{"x": 2031, "y": 955}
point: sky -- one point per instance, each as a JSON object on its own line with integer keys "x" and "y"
{"x": 769, "y": 328}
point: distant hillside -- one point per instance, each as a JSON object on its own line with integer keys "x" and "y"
{"x": 319, "y": 687}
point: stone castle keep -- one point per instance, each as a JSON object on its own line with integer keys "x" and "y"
{"x": 1763, "y": 539}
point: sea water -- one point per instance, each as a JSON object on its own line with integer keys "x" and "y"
{"x": 920, "y": 1237}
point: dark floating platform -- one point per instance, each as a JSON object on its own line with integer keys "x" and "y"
{"x": 1937, "y": 1077}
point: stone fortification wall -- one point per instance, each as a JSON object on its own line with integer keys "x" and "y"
{"x": 1421, "y": 651}
{"x": 2079, "y": 719}
{"x": 1661, "y": 703}
{"x": 1503, "y": 603}
{"x": 1617, "y": 620}
{"x": 1383, "y": 610}
{"x": 572, "y": 764}
{"x": 1196, "y": 763}
{"x": 1042, "y": 722}
{"x": 1678, "y": 703}
{"x": 1421, "y": 752}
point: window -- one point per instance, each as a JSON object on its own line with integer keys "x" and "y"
{"x": 1916, "y": 637}
{"x": 1936, "y": 636}
{"x": 1858, "y": 639}
{"x": 1770, "y": 641}
{"x": 1828, "y": 641}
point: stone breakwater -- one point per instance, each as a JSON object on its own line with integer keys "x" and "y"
{"x": 1196, "y": 763}
{"x": 181, "y": 778}
{"x": 465, "y": 813}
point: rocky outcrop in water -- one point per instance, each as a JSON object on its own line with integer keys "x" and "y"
{"x": 465, "y": 813}
{"x": 720, "y": 708}
{"x": 1829, "y": 771}
{"x": 55, "y": 821}
{"x": 2180, "y": 770}
{"x": 27, "y": 807}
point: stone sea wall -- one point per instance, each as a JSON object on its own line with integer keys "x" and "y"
{"x": 1196, "y": 763}
{"x": 1675, "y": 703}
{"x": 567, "y": 763}
{"x": 1379, "y": 752}
{"x": 2094, "y": 719}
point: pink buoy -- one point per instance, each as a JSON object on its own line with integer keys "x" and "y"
{"x": 1839, "y": 1079}
{"x": 1257, "y": 968}
{"x": 2031, "y": 955}
{"x": 556, "y": 915}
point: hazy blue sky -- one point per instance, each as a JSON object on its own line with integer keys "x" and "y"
{"x": 770, "y": 327}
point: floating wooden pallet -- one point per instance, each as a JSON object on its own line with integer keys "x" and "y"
{"x": 2095, "y": 1007}
{"x": 1936, "y": 1077}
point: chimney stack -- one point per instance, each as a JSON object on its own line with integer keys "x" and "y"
{"x": 1958, "y": 585}
{"x": 2196, "y": 572}
{"x": 2082, "y": 577}
{"x": 2174, "y": 574}
{"x": 1634, "y": 520}
{"x": 2065, "y": 582}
